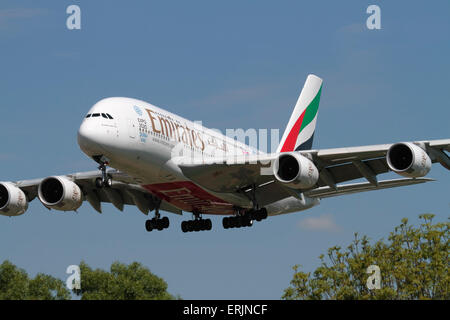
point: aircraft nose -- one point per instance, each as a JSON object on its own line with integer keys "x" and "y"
{"x": 89, "y": 138}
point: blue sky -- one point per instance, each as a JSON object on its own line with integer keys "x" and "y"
{"x": 231, "y": 64}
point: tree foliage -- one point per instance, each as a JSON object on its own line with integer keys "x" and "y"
{"x": 15, "y": 284}
{"x": 414, "y": 264}
{"x": 122, "y": 282}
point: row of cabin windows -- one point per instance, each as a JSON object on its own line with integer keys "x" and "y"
{"x": 104, "y": 115}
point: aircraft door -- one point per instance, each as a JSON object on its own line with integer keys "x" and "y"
{"x": 132, "y": 128}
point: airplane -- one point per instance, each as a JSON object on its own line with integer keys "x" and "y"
{"x": 158, "y": 161}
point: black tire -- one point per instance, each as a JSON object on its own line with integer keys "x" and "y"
{"x": 159, "y": 225}
{"x": 226, "y": 223}
{"x": 148, "y": 225}
{"x": 108, "y": 182}
{"x": 165, "y": 222}
{"x": 263, "y": 213}
{"x": 99, "y": 183}
{"x": 246, "y": 222}
{"x": 184, "y": 226}
{"x": 197, "y": 225}
{"x": 208, "y": 224}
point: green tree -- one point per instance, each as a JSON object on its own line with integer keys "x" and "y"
{"x": 15, "y": 284}
{"x": 122, "y": 282}
{"x": 414, "y": 264}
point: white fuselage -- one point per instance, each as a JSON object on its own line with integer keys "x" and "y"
{"x": 140, "y": 139}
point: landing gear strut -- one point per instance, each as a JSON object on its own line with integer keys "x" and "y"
{"x": 198, "y": 224}
{"x": 157, "y": 222}
{"x": 105, "y": 180}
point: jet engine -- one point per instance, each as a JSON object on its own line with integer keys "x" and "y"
{"x": 13, "y": 201}
{"x": 408, "y": 160}
{"x": 295, "y": 171}
{"x": 60, "y": 193}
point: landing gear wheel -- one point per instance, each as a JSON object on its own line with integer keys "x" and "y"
{"x": 260, "y": 214}
{"x": 99, "y": 183}
{"x": 208, "y": 224}
{"x": 165, "y": 222}
{"x": 184, "y": 226}
{"x": 226, "y": 222}
{"x": 156, "y": 223}
{"x": 108, "y": 182}
{"x": 196, "y": 225}
{"x": 263, "y": 213}
{"x": 149, "y": 225}
{"x": 159, "y": 224}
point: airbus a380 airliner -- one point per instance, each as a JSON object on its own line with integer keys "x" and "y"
{"x": 160, "y": 161}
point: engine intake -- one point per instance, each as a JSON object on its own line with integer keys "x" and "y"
{"x": 60, "y": 193}
{"x": 13, "y": 201}
{"x": 295, "y": 171}
{"x": 408, "y": 160}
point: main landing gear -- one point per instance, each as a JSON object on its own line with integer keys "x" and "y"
{"x": 105, "y": 180}
{"x": 198, "y": 224}
{"x": 157, "y": 222}
{"x": 244, "y": 220}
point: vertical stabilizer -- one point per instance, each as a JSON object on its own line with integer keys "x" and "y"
{"x": 299, "y": 132}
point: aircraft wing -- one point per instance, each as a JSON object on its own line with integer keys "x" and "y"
{"x": 327, "y": 192}
{"x": 239, "y": 173}
{"x": 124, "y": 191}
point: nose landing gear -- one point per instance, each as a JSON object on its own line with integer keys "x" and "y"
{"x": 105, "y": 180}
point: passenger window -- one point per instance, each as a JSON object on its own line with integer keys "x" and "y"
{"x": 104, "y": 116}
{"x": 94, "y": 115}
{"x": 88, "y": 116}
{"x": 109, "y": 116}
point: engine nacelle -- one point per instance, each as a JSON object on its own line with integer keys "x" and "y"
{"x": 408, "y": 160}
{"x": 13, "y": 201}
{"x": 295, "y": 170}
{"x": 60, "y": 193}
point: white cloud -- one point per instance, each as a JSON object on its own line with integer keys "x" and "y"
{"x": 321, "y": 223}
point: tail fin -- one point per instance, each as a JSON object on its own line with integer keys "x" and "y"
{"x": 299, "y": 132}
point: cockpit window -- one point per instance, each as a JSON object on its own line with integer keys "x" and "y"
{"x": 88, "y": 116}
{"x": 104, "y": 116}
{"x": 94, "y": 115}
{"x": 109, "y": 116}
